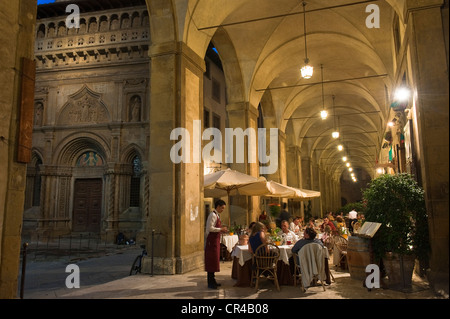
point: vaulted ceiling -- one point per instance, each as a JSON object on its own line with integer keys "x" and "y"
{"x": 262, "y": 46}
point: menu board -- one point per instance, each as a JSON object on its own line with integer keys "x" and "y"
{"x": 368, "y": 229}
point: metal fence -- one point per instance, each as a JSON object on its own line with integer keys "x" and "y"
{"x": 72, "y": 247}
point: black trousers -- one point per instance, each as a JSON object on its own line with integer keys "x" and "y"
{"x": 211, "y": 278}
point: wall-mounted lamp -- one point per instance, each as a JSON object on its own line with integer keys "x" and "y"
{"x": 402, "y": 94}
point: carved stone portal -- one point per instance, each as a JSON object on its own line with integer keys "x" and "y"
{"x": 84, "y": 107}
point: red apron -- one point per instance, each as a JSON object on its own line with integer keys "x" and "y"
{"x": 212, "y": 249}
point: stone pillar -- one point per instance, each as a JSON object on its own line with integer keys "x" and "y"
{"x": 245, "y": 208}
{"x": 315, "y": 183}
{"x": 17, "y": 24}
{"x": 294, "y": 177}
{"x": 306, "y": 173}
{"x": 175, "y": 190}
{"x": 428, "y": 53}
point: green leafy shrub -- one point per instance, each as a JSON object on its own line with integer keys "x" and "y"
{"x": 398, "y": 203}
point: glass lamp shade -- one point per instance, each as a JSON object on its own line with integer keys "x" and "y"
{"x": 307, "y": 71}
{"x": 335, "y": 134}
{"x": 344, "y": 158}
{"x": 323, "y": 114}
{"x": 340, "y": 147}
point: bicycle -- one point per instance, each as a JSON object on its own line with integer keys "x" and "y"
{"x": 137, "y": 264}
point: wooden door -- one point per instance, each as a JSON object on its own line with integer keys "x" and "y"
{"x": 87, "y": 205}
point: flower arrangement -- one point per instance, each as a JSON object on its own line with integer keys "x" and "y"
{"x": 275, "y": 238}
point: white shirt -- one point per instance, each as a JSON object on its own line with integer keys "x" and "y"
{"x": 352, "y": 214}
{"x": 211, "y": 223}
{"x": 294, "y": 228}
{"x": 290, "y": 236}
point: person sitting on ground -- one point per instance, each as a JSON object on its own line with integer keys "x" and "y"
{"x": 288, "y": 236}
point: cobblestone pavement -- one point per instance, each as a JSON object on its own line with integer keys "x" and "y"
{"x": 106, "y": 277}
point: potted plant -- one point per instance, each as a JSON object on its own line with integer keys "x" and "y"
{"x": 398, "y": 203}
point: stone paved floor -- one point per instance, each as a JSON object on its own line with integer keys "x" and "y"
{"x": 107, "y": 277}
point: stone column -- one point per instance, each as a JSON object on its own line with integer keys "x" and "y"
{"x": 175, "y": 190}
{"x": 294, "y": 176}
{"x": 315, "y": 183}
{"x": 243, "y": 115}
{"x": 17, "y": 24}
{"x": 429, "y": 53}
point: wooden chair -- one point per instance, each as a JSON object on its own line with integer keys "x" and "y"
{"x": 310, "y": 251}
{"x": 264, "y": 263}
{"x": 340, "y": 244}
{"x": 297, "y": 272}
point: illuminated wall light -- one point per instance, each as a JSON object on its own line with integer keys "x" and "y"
{"x": 390, "y": 124}
{"x": 402, "y": 94}
{"x": 348, "y": 164}
{"x": 344, "y": 158}
{"x": 335, "y": 134}
{"x": 350, "y": 169}
{"x": 340, "y": 147}
{"x": 380, "y": 170}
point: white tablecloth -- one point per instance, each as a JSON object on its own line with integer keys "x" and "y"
{"x": 243, "y": 254}
{"x": 229, "y": 241}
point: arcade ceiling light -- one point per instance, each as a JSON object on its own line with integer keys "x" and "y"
{"x": 307, "y": 70}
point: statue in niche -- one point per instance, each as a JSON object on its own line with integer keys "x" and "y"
{"x": 38, "y": 113}
{"x": 135, "y": 109}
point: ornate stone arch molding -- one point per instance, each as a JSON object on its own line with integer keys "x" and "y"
{"x": 163, "y": 24}
{"x": 130, "y": 152}
{"x": 84, "y": 107}
{"x": 69, "y": 149}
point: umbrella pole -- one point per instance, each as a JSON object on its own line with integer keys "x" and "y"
{"x": 229, "y": 211}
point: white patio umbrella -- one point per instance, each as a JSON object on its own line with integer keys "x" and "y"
{"x": 284, "y": 191}
{"x": 231, "y": 182}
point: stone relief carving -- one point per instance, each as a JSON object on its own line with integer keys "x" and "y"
{"x": 84, "y": 107}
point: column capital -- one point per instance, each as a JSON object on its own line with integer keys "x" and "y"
{"x": 177, "y": 48}
{"x": 242, "y": 106}
{"x": 417, "y": 5}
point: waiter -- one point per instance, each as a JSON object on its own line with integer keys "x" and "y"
{"x": 212, "y": 243}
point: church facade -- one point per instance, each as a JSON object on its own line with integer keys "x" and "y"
{"x": 88, "y": 171}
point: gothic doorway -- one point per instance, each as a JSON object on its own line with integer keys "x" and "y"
{"x": 87, "y": 205}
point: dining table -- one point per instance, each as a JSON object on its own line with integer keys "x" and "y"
{"x": 227, "y": 242}
{"x": 242, "y": 266}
